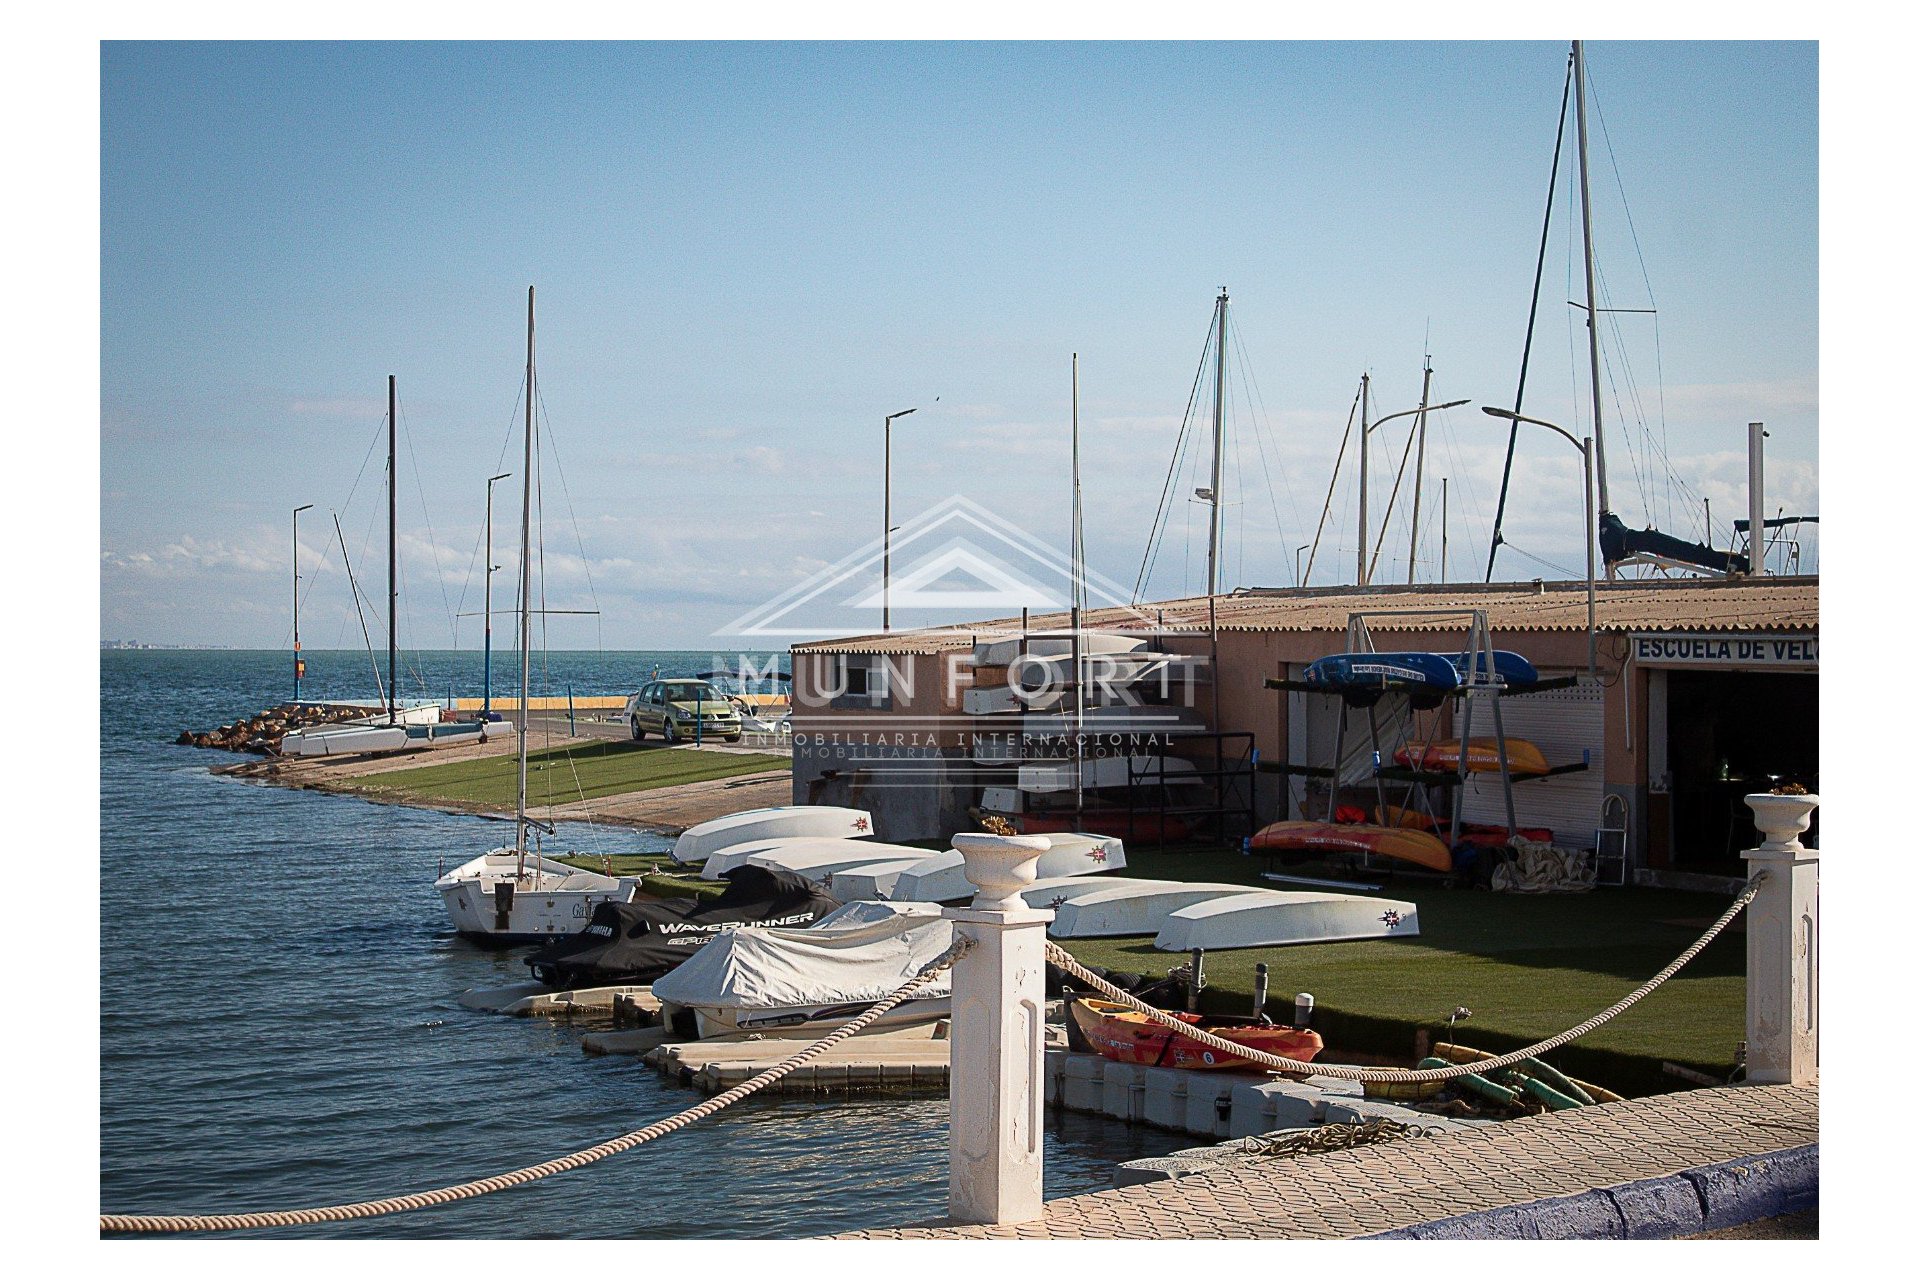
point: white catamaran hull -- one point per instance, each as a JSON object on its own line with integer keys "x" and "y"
{"x": 819, "y": 860}
{"x": 1131, "y": 910}
{"x": 504, "y": 898}
{"x": 352, "y": 740}
{"x": 943, "y": 877}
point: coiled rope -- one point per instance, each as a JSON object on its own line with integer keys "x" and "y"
{"x": 1384, "y": 1075}
{"x": 141, "y": 1222}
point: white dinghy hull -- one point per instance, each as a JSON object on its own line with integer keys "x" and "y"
{"x": 503, "y": 898}
{"x": 1131, "y": 910}
{"x": 943, "y": 877}
{"x": 1268, "y": 918}
{"x": 780, "y": 822}
{"x": 818, "y": 860}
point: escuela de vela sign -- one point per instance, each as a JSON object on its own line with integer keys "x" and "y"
{"x": 1797, "y": 651}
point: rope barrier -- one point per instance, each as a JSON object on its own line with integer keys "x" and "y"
{"x": 500, "y": 1182}
{"x": 1385, "y": 1075}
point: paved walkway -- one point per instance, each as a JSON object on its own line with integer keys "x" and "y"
{"x": 1473, "y": 1174}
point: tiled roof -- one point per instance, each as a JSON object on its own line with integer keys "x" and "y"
{"x": 1661, "y": 604}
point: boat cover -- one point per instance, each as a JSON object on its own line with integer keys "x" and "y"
{"x": 1618, "y": 543}
{"x": 860, "y": 959}
{"x": 1512, "y": 669}
{"x": 639, "y": 941}
{"x": 1361, "y": 678}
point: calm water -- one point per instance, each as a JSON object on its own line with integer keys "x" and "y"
{"x": 278, "y": 1022}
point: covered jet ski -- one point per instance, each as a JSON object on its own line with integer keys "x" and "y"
{"x": 640, "y": 941}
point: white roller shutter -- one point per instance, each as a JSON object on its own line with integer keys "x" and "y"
{"x": 1564, "y": 724}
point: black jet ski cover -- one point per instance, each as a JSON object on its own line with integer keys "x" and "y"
{"x": 640, "y": 941}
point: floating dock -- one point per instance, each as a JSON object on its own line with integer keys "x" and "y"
{"x": 864, "y": 1062}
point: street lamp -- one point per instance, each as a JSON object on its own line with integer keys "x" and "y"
{"x": 1299, "y": 581}
{"x": 886, "y": 522}
{"x": 299, "y": 663}
{"x": 1367, "y": 429}
{"x": 486, "y": 671}
{"x": 1585, "y": 446}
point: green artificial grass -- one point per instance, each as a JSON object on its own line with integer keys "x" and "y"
{"x": 563, "y": 775}
{"x": 1528, "y": 966}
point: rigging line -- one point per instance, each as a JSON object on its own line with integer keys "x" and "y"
{"x": 586, "y": 564}
{"x": 433, "y": 543}
{"x": 1251, "y": 389}
{"x": 1557, "y": 568}
{"x": 1250, "y": 382}
{"x": 379, "y": 689}
{"x": 1345, "y": 435}
{"x": 480, "y": 535}
{"x": 1533, "y": 314}
{"x": 1164, "y": 511}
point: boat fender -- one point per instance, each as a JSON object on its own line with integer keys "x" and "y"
{"x": 1302, "y": 1010}
{"x": 1260, "y": 992}
{"x": 1476, "y": 1083}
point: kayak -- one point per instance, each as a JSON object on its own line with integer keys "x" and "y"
{"x": 1360, "y": 678}
{"x": 1405, "y": 843}
{"x": 1483, "y": 835}
{"x": 1483, "y": 756}
{"x": 1121, "y": 1033}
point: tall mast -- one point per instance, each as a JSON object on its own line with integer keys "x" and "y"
{"x": 1079, "y": 605}
{"x": 1419, "y": 467}
{"x": 393, "y": 583}
{"x": 1360, "y": 578}
{"x": 1593, "y": 305}
{"x": 1219, "y": 436}
{"x": 526, "y": 593}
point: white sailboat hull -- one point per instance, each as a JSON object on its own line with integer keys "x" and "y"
{"x": 818, "y": 859}
{"x": 1268, "y": 918}
{"x": 547, "y": 899}
{"x": 759, "y": 826}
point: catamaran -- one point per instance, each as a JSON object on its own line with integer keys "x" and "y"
{"x": 515, "y": 895}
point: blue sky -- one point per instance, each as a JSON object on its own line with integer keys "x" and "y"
{"x": 746, "y": 254}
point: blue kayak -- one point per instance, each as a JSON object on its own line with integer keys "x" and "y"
{"x": 1426, "y": 672}
{"x": 1511, "y": 668}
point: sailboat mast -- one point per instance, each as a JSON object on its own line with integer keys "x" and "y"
{"x": 1419, "y": 467}
{"x": 1593, "y": 305}
{"x": 393, "y": 583}
{"x": 1079, "y": 604}
{"x": 1360, "y": 573}
{"x": 526, "y": 595}
{"x": 1219, "y": 436}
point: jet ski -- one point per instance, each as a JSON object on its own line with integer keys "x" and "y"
{"x": 631, "y": 942}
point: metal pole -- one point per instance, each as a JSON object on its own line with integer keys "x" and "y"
{"x": 526, "y": 595}
{"x": 486, "y": 692}
{"x": 1361, "y": 578}
{"x": 1756, "y": 499}
{"x": 1419, "y": 468}
{"x": 1079, "y": 656}
{"x": 1593, "y": 536}
{"x": 886, "y": 520}
{"x": 393, "y": 585}
{"x": 1586, "y": 231}
{"x": 1219, "y": 434}
{"x": 296, "y": 599}
{"x": 1443, "y": 528}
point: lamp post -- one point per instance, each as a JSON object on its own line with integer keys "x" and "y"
{"x": 886, "y": 521}
{"x": 299, "y": 664}
{"x": 1298, "y": 581}
{"x": 1366, "y": 429}
{"x": 486, "y": 669}
{"x": 1585, "y": 446}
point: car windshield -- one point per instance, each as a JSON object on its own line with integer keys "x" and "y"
{"x": 693, "y": 691}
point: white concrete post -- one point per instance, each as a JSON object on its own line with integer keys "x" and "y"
{"x": 999, "y": 1013}
{"x": 1783, "y": 945}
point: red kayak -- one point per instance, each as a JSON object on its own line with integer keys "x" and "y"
{"x": 1125, "y": 1035}
{"x": 1404, "y": 843}
{"x": 1483, "y": 835}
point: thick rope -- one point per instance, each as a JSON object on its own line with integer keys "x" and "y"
{"x": 1383, "y": 1075}
{"x": 533, "y": 1173}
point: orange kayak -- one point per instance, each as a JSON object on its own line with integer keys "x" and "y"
{"x": 1483, "y": 756}
{"x": 1405, "y": 843}
{"x": 1124, "y": 1035}
{"x": 1479, "y": 833}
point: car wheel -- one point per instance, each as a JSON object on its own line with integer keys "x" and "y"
{"x": 671, "y": 734}
{"x": 638, "y": 733}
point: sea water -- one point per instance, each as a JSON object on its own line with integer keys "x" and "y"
{"x": 279, "y": 1025}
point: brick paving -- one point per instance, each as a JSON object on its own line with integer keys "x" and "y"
{"x": 1368, "y": 1190}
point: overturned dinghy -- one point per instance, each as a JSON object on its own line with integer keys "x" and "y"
{"x": 1268, "y": 918}
{"x": 639, "y": 941}
{"x": 758, "y": 826}
{"x": 803, "y": 982}
{"x": 943, "y": 877}
{"x": 1128, "y": 910}
{"x": 818, "y": 860}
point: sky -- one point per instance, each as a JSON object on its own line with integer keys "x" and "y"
{"x": 747, "y": 254}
